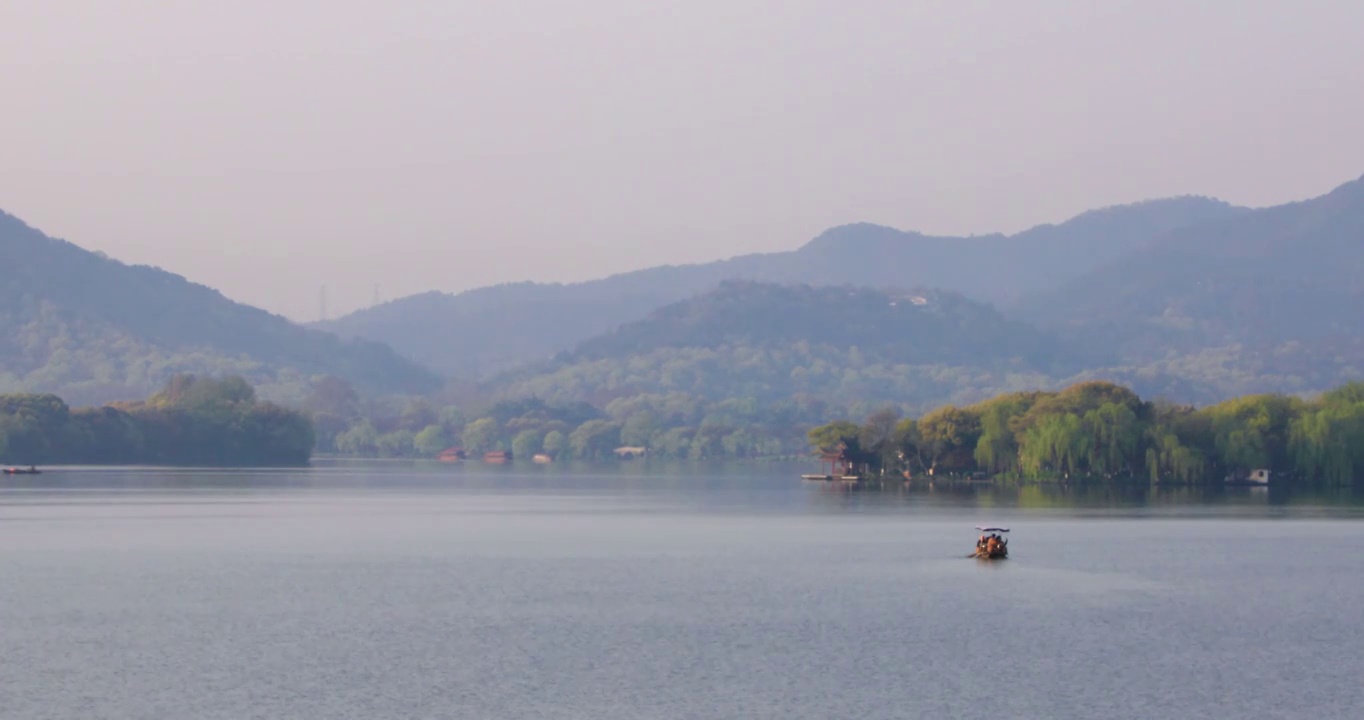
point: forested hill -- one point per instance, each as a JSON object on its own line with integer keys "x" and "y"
{"x": 860, "y": 348}
{"x": 838, "y": 344}
{"x": 1265, "y": 273}
{"x": 906, "y": 326}
{"x": 1269, "y": 300}
{"x": 93, "y": 329}
{"x": 482, "y": 332}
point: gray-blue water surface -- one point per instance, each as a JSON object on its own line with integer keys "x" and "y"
{"x": 419, "y": 591}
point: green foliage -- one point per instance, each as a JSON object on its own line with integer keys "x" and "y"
{"x": 526, "y": 443}
{"x": 196, "y": 394}
{"x": 997, "y": 448}
{"x": 1167, "y": 458}
{"x": 594, "y": 439}
{"x": 948, "y": 437}
{"x": 1253, "y": 432}
{"x": 360, "y": 440}
{"x": 417, "y": 415}
{"x": 639, "y": 429}
{"x": 1055, "y": 445}
{"x": 452, "y": 417}
{"x": 1264, "y": 301}
{"x": 35, "y": 426}
{"x": 673, "y": 443}
{"x": 398, "y": 443}
{"x": 828, "y": 438}
{"x": 96, "y": 330}
{"x": 431, "y": 440}
{"x": 555, "y": 443}
{"x": 1116, "y": 435}
{"x": 482, "y": 435}
{"x": 1101, "y": 430}
{"x": 334, "y": 396}
{"x": 1327, "y": 439}
{"x": 192, "y": 421}
{"x": 751, "y": 345}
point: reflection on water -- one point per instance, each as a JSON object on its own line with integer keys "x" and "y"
{"x": 743, "y": 485}
{"x": 1131, "y": 495}
{"x": 395, "y": 590}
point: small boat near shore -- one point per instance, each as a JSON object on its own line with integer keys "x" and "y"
{"x": 838, "y": 467}
{"x": 30, "y": 470}
{"x": 991, "y": 545}
{"x": 1253, "y": 478}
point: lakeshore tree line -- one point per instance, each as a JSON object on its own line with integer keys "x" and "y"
{"x": 191, "y": 421}
{"x": 1099, "y": 430}
{"x": 675, "y": 425}
{"x": 1089, "y": 431}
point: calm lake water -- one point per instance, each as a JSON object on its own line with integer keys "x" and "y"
{"x": 415, "y": 591}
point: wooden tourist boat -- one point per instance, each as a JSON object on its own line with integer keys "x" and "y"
{"x": 991, "y": 545}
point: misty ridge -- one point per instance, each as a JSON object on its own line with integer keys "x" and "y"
{"x": 549, "y": 318}
{"x": 1189, "y": 299}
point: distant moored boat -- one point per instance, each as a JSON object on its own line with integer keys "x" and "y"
{"x": 1254, "y": 477}
{"x": 451, "y": 455}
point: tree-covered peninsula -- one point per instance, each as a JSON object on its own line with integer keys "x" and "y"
{"x": 1101, "y": 431}
{"x": 191, "y": 421}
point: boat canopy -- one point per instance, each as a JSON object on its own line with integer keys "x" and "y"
{"x": 992, "y": 529}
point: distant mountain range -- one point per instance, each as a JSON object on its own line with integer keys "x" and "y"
{"x": 1267, "y": 300}
{"x": 94, "y": 329}
{"x": 479, "y": 333}
{"x": 768, "y": 342}
{"x": 1190, "y": 298}
{"x": 1187, "y": 298}
{"x": 1290, "y": 272}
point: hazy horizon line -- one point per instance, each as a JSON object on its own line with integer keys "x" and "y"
{"x": 322, "y": 286}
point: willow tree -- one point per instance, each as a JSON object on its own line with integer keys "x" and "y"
{"x": 1346, "y": 394}
{"x": 1168, "y": 458}
{"x": 1079, "y": 399}
{"x": 1116, "y": 436}
{"x": 997, "y": 448}
{"x": 1327, "y": 443}
{"x": 527, "y": 443}
{"x": 1252, "y": 432}
{"x": 481, "y": 435}
{"x": 1055, "y": 444}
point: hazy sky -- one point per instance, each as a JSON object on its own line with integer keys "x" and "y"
{"x": 268, "y": 148}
